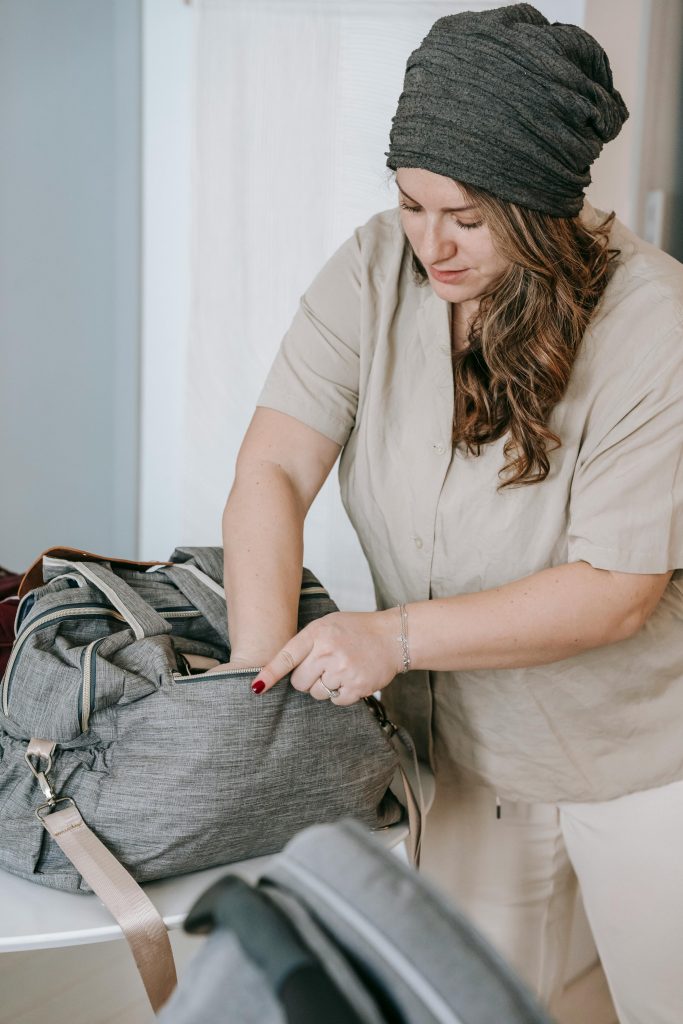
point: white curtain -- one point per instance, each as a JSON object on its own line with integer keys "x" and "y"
{"x": 293, "y": 105}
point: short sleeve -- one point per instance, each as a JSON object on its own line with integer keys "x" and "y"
{"x": 626, "y": 501}
{"x": 315, "y": 374}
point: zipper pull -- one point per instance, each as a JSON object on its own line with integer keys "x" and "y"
{"x": 497, "y": 806}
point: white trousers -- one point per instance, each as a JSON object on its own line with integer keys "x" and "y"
{"x": 516, "y": 878}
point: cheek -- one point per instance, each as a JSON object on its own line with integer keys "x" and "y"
{"x": 500, "y": 265}
{"x": 410, "y": 232}
{"x": 490, "y": 261}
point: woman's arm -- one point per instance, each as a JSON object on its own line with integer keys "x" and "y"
{"x": 281, "y": 466}
{"x": 548, "y": 616}
{"x": 545, "y": 617}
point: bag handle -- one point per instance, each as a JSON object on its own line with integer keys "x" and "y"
{"x": 409, "y": 780}
{"x": 141, "y": 617}
{"x": 33, "y": 577}
{"x": 409, "y": 769}
{"x": 206, "y": 595}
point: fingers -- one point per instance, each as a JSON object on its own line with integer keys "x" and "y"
{"x": 318, "y": 691}
{"x": 312, "y": 681}
{"x": 324, "y": 689}
{"x": 272, "y": 673}
{"x": 344, "y": 698}
{"x": 305, "y": 666}
{"x": 285, "y": 662}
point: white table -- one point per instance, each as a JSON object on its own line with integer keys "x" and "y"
{"x": 35, "y": 917}
{"x": 67, "y": 961}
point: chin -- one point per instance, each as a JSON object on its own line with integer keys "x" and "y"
{"x": 453, "y": 292}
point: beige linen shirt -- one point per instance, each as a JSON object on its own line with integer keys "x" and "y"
{"x": 367, "y": 362}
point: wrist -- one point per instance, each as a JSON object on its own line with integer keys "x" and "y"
{"x": 259, "y": 650}
{"x": 402, "y": 638}
{"x": 393, "y": 632}
{"x": 252, "y": 655}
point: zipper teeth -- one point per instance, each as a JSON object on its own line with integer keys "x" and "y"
{"x": 44, "y": 620}
{"x": 20, "y": 607}
{"x": 73, "y": 611}
{"x": 216, "y": 675}
{"x": 85, "y": 693}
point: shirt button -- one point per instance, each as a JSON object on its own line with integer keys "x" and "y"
{"x": 438, "y": 447}
{"x": 418, "y": 542}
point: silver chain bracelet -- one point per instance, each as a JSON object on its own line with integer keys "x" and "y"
{"x": 403, "y": 638}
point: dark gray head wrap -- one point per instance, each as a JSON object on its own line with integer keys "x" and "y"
{"x": 504, "y": 100}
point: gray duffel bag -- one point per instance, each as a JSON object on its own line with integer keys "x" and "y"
{"x": 174, "y": 772}
{"x": 167, "y": 771}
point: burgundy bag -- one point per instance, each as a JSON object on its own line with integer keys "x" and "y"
{"x": 9, "y": 587}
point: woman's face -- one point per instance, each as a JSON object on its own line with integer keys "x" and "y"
{"x": 447, "y": 233}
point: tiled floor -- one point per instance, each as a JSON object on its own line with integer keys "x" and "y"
{"x": 98, "y": 984}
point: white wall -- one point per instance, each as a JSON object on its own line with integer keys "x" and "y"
{"x": 167, "y": 85}
{"x": 182, "y": 494}
{"x": 640, "y": 173}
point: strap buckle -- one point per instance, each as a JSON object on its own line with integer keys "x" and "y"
{"x": 52, "y": 804}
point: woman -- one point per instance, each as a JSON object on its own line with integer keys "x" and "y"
{"x": 500, "y": 366}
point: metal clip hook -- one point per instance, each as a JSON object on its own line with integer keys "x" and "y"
{"x": 41, "y": 777}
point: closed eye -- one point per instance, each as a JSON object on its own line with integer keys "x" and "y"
{"x": 461, "y": 224}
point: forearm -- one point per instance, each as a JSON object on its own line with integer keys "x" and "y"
{"x": 263, "y": 556}
{"x": 545, "y": 617}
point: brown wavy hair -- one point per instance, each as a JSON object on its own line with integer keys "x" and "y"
{"x": 525, "y": 337}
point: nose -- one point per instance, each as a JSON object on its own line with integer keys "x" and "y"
{"x": 436, "y": 247}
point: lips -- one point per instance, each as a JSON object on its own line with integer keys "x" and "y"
{"x": 448, "y": 275}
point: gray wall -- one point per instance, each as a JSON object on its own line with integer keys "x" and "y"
{"x": 69, "y": 275}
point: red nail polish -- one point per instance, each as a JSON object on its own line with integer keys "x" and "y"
{"x": 258, "y": 686}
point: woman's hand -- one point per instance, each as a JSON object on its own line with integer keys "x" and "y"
{"x": 356, "y": 653}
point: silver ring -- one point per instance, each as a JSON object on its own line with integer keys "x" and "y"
{"x": 330, "y": 693}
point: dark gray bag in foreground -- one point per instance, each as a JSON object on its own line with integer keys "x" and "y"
{"x": 339, "y": 930}
{"x": 173, "y": 772}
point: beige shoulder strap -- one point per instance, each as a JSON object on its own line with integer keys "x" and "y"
{"x": 139, "y": 919}
{"x": 412, "y": 796}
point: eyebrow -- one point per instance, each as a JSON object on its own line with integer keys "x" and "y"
{"x": 445, "y": 209}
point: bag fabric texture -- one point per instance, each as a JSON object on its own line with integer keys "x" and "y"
{"x": 174, "y": 772}
{"x": 393, "y": 949}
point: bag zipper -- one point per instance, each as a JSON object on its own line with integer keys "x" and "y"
{"x": 55, "y": 614}
{"x": 180, "y": 678}
{"x": 89, "y": 667}
{"x": 41, "y": 622}
{"x": 180, "y": 614}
